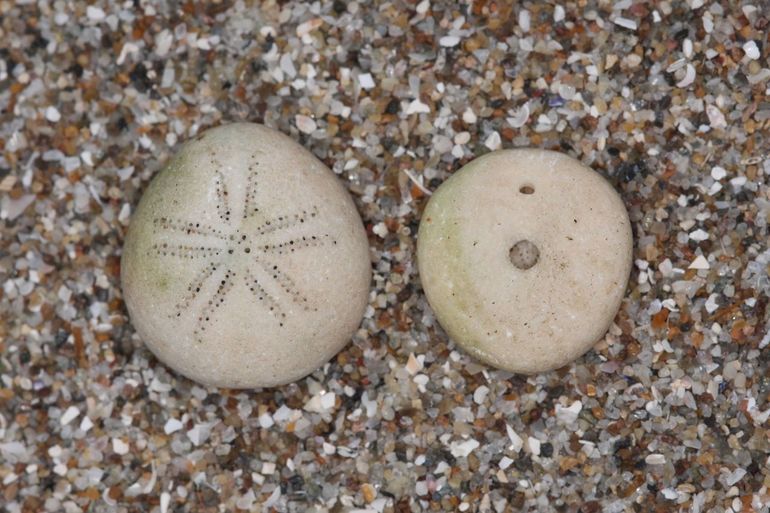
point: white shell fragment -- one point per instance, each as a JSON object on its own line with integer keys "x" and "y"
{"x": 246, "y": 263}
{"x": 524, "y": 256}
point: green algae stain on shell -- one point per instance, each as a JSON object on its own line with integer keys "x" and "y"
{"x": 441, "y": 227}
{"x": 137, "y": 258}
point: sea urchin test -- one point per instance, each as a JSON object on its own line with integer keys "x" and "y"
{"x": 246, "y": 263}
{"x": 524, "y": 256}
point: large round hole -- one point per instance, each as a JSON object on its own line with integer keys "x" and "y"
{"x": 524, "y": 254}
{"x": 527, "y": 189}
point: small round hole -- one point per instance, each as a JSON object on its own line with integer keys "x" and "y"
{"x": 527, "y": 189}
{"x": 524, "y": 254}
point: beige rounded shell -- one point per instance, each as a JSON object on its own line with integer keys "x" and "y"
{"x": 524, "y": 256}
{"x": 246, "y": 263}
